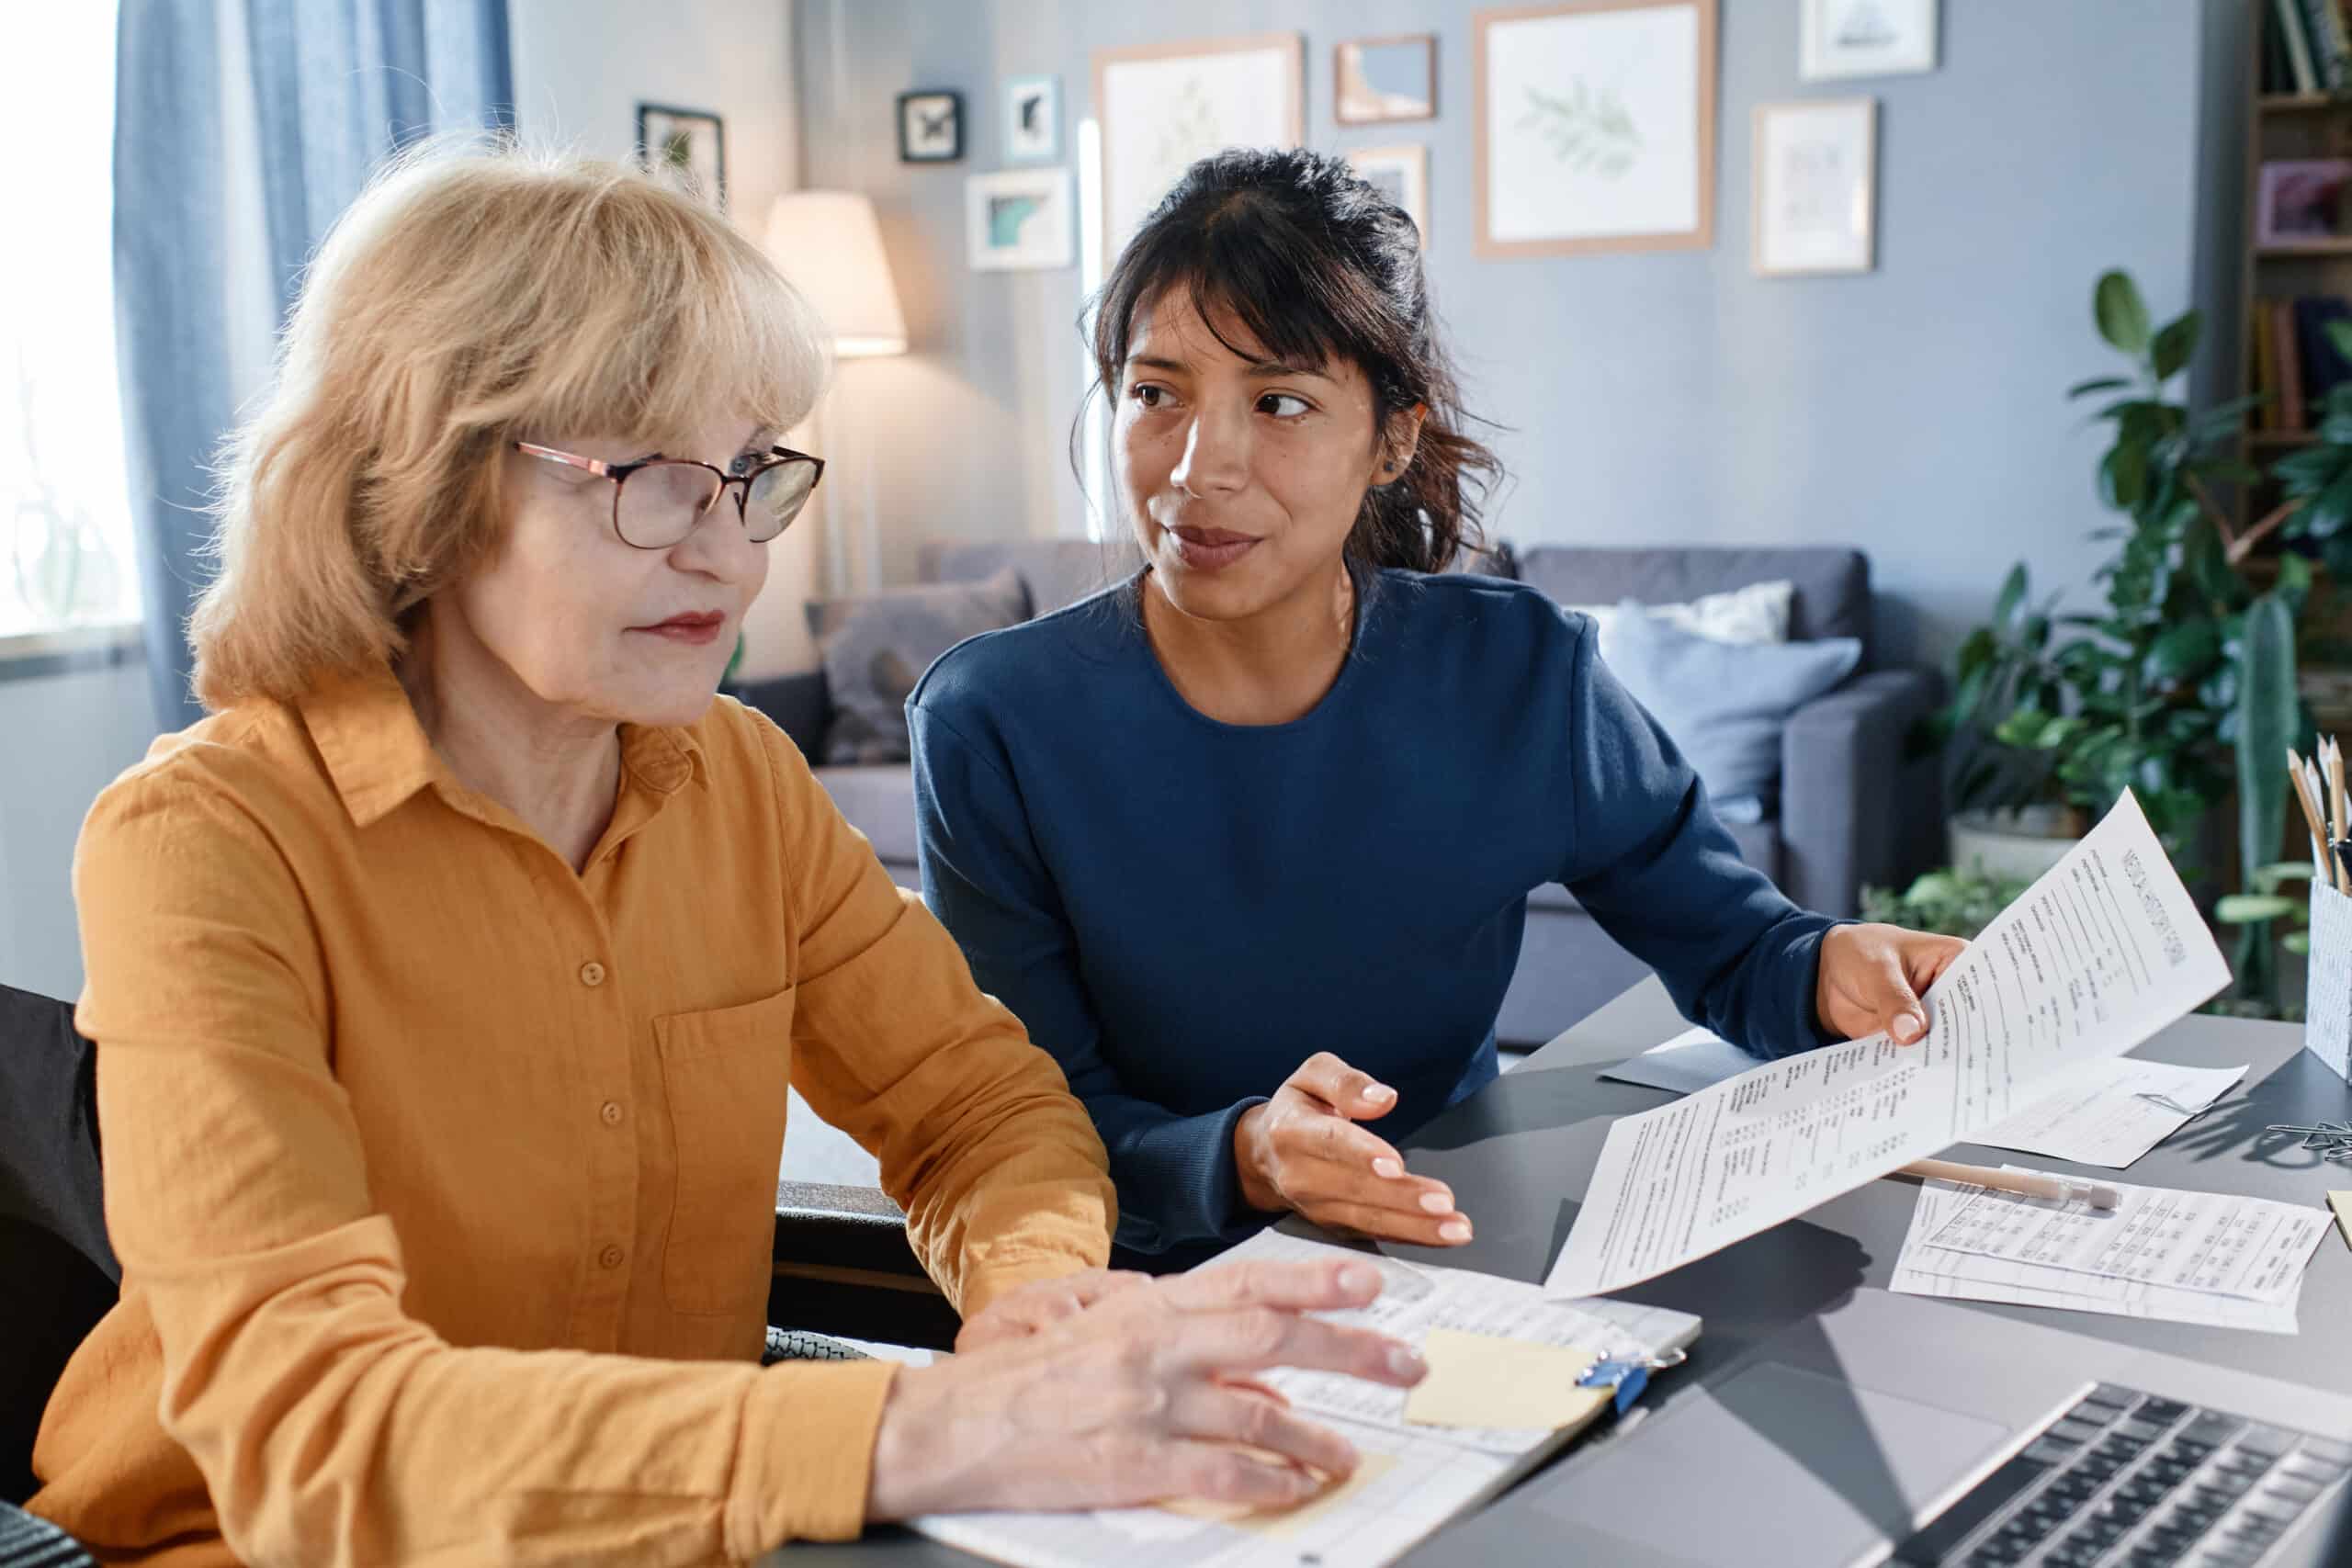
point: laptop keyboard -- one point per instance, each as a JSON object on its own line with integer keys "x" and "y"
{"x": 2128, "y": 1480}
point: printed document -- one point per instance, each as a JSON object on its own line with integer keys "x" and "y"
{"x": 2106, "y": 949}
{"x": 2112, "y": 1112}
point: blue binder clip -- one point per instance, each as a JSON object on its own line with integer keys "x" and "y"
{"x": 1628, "y": 1377}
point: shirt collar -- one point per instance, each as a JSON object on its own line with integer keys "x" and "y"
{"x": 377, "y": 754}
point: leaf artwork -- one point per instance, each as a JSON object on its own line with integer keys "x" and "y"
{"x": 678, "y": 150}
{"x": 1189, "y": 132}
{"x": 1590, "y": 132}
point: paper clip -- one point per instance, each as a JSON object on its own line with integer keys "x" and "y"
{"x": 2168, "y": 1104}
{"x": 2329, "y": 1140}
{"x": 1628, "y": 1375}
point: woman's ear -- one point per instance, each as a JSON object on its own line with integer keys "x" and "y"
{"x": 1399, "y": 441}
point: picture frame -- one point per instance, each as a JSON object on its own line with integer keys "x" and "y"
{"x": 2299, "y": 201}
{"x": 1838, "y": 39}
{"x": 1815, "y": 204}
{"x": 1020, "y": 220}
{"x": 1032, "y": 119}
{"x": 1377, "y": 81}
{"x": 683, "y": 148}
{"x": 931, "y": 126}
{"x": 1162, "y": 106}
{"x": 1595, "y": 127}
{"x": 1400, "y": 173}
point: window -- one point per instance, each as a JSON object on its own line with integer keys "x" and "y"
{"x": 65, "y": 537}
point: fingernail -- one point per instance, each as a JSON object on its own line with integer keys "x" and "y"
{"x": 1355, "y": 1279}
{"x": 1454, "y": 1230}
{"x": 1437, "y": 1202}
{"x": 1909, "y": 1026}
{"x": 1379, "y": 1091}
{"x": 1383, "y": 1166}
{"x": 1406, "y": 1361}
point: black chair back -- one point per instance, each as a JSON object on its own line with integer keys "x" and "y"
{"x": 58, "y": 1274}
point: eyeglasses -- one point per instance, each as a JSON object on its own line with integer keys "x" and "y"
{"x": 656, "y": 503}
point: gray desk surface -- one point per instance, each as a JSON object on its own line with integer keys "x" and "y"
{"x": 1517, "y": 1153}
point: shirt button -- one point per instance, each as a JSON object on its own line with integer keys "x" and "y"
{"x": 611, "y": 1257}
{"x": 592, "y": 973}
{"x": 611, "y": 1113}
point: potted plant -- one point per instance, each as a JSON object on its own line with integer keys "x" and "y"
{"x": 2181, "y": 685}
{"x": 1954, "y": 903}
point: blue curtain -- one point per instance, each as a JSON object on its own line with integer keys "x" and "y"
{"x": 241, "y": 128}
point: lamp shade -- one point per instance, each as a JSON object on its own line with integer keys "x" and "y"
{"x": 828, "y": 243}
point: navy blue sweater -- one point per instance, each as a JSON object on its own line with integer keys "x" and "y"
{"x": 1183, "y": 911}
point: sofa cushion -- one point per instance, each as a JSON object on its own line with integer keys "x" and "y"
{"x": 1760, "y": 846}
{"x": 1727, "y": 703}
{"x": 875, "y": 648}
{"x": 1758, "y": 613}
{"x": 1833, "y": 586}
{"x": 1057, "y": 572}
{"x": 880, "y": 802}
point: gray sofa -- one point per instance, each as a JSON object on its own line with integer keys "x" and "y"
{"x": 1852, "y": 810}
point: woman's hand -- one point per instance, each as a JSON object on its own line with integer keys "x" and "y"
{"x": 1122, "y": 1403}
{"x": 1871, "y": 976}
{"x": 1302, "y": 1150}
{"x": 1018, "y": 1313}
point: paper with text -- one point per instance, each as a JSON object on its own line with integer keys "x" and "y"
{"x": 2100, "y": 952}
{"x": 1923, "y": 1270}
{"x": 2100, "y": 1114}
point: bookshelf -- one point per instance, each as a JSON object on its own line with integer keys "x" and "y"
{"x": 2281, "y": 126}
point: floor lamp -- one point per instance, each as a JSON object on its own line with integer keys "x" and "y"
{"x": 828, "y": 243}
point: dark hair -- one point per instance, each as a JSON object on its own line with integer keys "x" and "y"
{"x": 1319, "y": 268}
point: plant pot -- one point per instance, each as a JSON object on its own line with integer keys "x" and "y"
{"x": 2021, "y": 844}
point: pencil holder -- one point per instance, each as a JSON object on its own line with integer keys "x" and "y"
{"x": 2327, "y": 1000}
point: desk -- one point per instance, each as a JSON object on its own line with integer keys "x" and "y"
{"x": 1516, "y": 1152}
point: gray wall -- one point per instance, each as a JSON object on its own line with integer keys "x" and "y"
{"x": 1917, "y": 411}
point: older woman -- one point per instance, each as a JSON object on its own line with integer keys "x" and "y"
{"x": 448, "y": 978}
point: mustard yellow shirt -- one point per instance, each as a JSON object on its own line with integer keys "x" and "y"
{"x": 443, "y": 1176}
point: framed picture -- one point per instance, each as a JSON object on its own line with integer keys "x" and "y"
{"x": 1595, "y": 128}
{"x": 685, "y": 148}
{"x": 1032, "y": 119}
{"x": 1166, "y": 105}
{"x": 930, "y": 127}
{"x": 1815, "y": 207}
{"x": 2301, "y": 199}
{"x": 1020, "y": 220}
{"x": 1380, "y": 79}
{"x": 1402, "y": 174}
{"x": 1866, "y": 37}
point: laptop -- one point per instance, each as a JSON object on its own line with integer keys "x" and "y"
{"x": 1908, "y": 1431}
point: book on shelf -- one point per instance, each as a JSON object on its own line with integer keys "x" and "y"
{"x": 2324, "y": 369}
{"x": 2290, "y": 372}
{"x": 2287, "y": 15}
{"x": 2266, "y": 367}
{"x": 2324, "y": 35}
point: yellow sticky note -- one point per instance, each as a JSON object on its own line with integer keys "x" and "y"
{"x": 2342, "y": 1203}
{"x": 1483, "y": 1380}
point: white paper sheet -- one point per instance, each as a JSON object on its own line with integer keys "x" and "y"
{"x": 2252, "y": 1248}
{"x": 2103, "y": 951}
{"x": 2099, "y": 1113}
{"x": 1923, "y": 1270}
{"x": 1435, "y": 1474}
{"x": 1686, "y": 1063}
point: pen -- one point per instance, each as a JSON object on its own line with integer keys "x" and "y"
{"x": 2097, "y": 1194}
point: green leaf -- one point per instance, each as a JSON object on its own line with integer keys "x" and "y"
{"x": 2176, "y": 346}
{"x": 2121, "y": 315}
{"x": 2327, "y": 514}
{"x": 2097, "y": 384}
{"x": 2245, "y": 908}
{"x": 2309, "y": 470}
{"x": 2339, "y": 333}
{"x": 2182, "y": 652}
{"x": 2123, "y": 476}
{"x": 2005, "y": 608}
{"x": 2296, "y": 941}
{"x": 2270, "y": 876}
{"x": 2269, "y": 720}
{"x": 2022, "y": 727}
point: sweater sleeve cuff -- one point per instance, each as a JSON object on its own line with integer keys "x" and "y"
{"x": 806, "y": 1456}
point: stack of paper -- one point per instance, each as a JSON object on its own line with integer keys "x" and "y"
{"x": 2106, "y": 949}
{"x": 1497, "y": 1351}
{"x": 2183, "y": 1256}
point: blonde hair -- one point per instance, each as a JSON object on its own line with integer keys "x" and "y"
{"x": 474, "y": 293}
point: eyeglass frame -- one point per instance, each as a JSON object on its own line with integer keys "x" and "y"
{"x": 777, "y": 457}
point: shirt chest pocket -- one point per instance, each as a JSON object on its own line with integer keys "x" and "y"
{"x": 727, "y": 1075}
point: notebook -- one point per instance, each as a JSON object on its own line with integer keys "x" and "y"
{"x": 1414, "y": 1476}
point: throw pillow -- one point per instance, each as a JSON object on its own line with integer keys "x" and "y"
{"x": 1725, "y": 703}
{"x": 1758, "y": 613}
{"x": 875, "y": 648}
